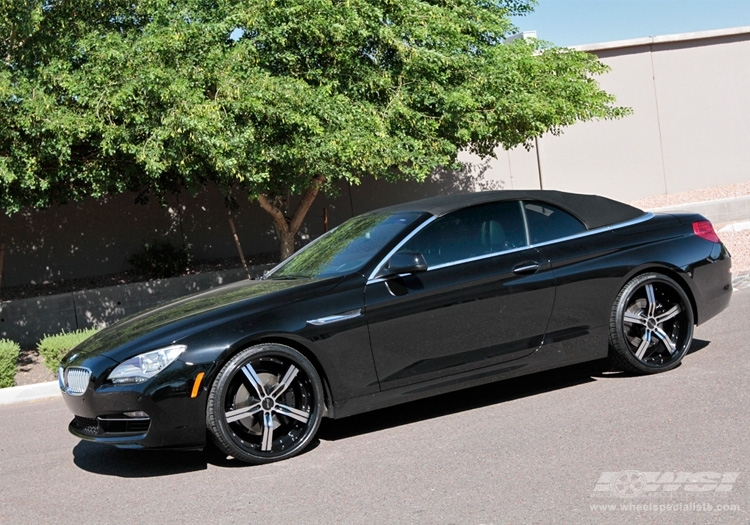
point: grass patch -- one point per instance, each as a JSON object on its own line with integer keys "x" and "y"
{"x": 8, "y": 358}
{"x": 54, "y": 347}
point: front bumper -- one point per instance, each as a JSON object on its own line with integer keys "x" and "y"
{"x": 158, "y": 413}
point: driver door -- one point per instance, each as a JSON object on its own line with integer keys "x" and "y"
{"x": 486, "y": 298}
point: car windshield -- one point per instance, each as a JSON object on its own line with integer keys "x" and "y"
{"x": 346, "y": 248}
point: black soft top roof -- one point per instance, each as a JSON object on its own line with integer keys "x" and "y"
{"x": 594, "y": 211}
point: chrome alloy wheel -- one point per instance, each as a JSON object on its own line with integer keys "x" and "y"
{"x": 266, "y": 404}
{"x": 652, "y": 324}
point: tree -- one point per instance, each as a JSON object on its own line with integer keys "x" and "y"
{"x": 279, "y": 97}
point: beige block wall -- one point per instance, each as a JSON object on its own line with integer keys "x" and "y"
{"x": 704, "y": 110}
{"x": 690, "y": 126}
{"x": 617, "y": 158}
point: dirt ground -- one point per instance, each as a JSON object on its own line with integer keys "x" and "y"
{"x": 31, "y": 369}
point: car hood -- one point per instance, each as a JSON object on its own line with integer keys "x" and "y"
{"x": 168, "y": 323}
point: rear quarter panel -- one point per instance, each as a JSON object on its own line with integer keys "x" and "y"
{"x": 591, "y": 270}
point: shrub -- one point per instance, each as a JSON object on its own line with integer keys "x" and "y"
{"x": 54, "y": 347}
{"x": 8, "y": 358}
{"x": 160, "y": 260}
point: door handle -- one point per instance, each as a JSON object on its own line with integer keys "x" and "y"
{"x": 526, "y": 267}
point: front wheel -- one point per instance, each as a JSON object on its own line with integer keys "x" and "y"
{"x": 265, "y": 404}
{"x": 651, "y": 325}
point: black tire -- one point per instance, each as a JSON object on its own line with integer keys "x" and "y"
{"x": 651, "y": 325}
{"x": 265, "y": 404}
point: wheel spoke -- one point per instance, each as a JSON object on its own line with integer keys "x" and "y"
{"x": 254, "y": 380}
{"x": 669, "y": 314}
{"x": 285, "y": 382}
{"x": 661, "y": 334}
{"x": 633, "y": 318}
{"x": 294, "y": 413}
{"x": 645, "y": 343}
{"x": 241, "y": 413}
{"x": 267, "y": 444}
{"x": 651, "y": 298}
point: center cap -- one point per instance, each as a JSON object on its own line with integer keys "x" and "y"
{"x": 267, "y": 403}
{"x": 651, "y": 323}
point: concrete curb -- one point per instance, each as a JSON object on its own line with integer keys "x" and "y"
{"x": 18, "y": 394}
{"x": 736, "y": 227}
{"x": 717, "y": 211}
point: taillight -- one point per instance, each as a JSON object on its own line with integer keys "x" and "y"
{"x": 705, "y": 230}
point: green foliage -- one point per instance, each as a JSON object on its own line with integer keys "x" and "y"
{"x": 8, "y": 357}
{"x": 160, "y": 260}
{"x": 54, "y": 347}
{"x": 278, "y": 97}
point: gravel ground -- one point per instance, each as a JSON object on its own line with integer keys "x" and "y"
{"x": 738, "y": 242}
{"x": 31, "y": 368}
{"x": 740, "y": 189}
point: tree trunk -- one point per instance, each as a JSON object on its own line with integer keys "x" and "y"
{"x": 287, "y": 227}
{"x": 286, "y": 244}
{"x": 239, "y": 246}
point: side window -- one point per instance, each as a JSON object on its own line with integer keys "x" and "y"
{"x": 548, "y": 222}
{"x": 471, "y": 232}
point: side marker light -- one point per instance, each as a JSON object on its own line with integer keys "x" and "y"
{"x": 197, "y": 385}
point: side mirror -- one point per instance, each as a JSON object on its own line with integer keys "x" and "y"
{"x": 406, "y": 262}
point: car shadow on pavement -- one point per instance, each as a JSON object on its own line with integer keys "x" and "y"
{"x": 469, "y": 399}
{"x": 477, "y": 397}
{"x": 107, "y": 460}
{"x": 698, "y": 345}
{"x": 110, "y": 461}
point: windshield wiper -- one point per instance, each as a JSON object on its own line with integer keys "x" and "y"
{"x": 288, "y": 277}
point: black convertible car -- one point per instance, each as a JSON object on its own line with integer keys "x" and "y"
{"x": 399, "y": 304}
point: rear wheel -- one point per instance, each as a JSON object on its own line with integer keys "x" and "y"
{"x": 651, "y": 325}
{"x": 265, "y": 405}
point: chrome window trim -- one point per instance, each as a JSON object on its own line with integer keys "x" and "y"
{"x": 373, "y": 279}
{"x": 522, "y": 204}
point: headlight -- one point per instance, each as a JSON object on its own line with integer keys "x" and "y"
{"x": 142, "y": 367}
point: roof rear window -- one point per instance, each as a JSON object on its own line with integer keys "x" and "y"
{"x": 547, "y": 222}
